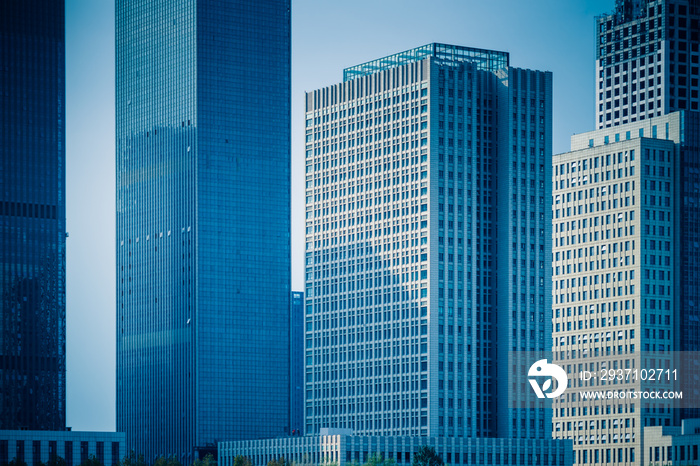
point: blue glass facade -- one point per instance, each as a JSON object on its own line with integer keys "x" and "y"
{"x": 689, "y": 204}
{"x": 203, "y": 220}
{"x": 32, "y": 215}
{"x": 296, "y": 359}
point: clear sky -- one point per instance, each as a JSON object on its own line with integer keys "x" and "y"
{"x": 327, "y": 36}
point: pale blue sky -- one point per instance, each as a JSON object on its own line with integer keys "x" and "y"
{"x": 327, "y": 36}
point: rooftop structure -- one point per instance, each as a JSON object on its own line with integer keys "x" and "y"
{"x": 487, "y": 60}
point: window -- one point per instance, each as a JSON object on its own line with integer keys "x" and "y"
{"x": 68, "y": 453}
{"x": 100, "y": 452}
{"x": 83, "y": 451}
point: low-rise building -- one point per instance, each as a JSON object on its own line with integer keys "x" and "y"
{"x": 341, "y": 448}
{"x": 673, "y": 445}
{"x": 35, "y": 447}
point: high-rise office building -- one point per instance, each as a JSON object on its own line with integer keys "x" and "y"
{"x": 626, "y": 215}
{"x": 647, "y": 60}
{"x": 203, "y": 222}
{"x": 428, "y": 286}
{"x": 32, "y": 216}
{"x": 648, "y": 64}
{"x": 617, "y": 258}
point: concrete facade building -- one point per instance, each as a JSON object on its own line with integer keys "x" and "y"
{"x": 626, "y": 214}
{"x": 647, "y": 60}
{"x": 427, "y": 238}
{"x": 624, "y": 205}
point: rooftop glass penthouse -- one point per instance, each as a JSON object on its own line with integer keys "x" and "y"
{"x": 487, "y": 60}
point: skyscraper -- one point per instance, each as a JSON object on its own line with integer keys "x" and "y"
{"x": 32, "y": 216}
{"x": 626, "y": 216}
{"x": 617, "y": 257}
{"x": 203, "y": 222}
{"x": 647, "y": 65}
{"x": 427, "y": 244}
{"x": 647, "y": 60}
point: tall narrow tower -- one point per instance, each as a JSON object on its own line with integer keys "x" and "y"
{"x": 32, "y": 216}
{"x": 203, "y": 222}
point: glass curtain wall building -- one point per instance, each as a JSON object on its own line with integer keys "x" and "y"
{"x": 203, "y": 222}
{"x": 32, "y": 216}
{"x": 296, "y": 359}
{"x": 427, "y": 234}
